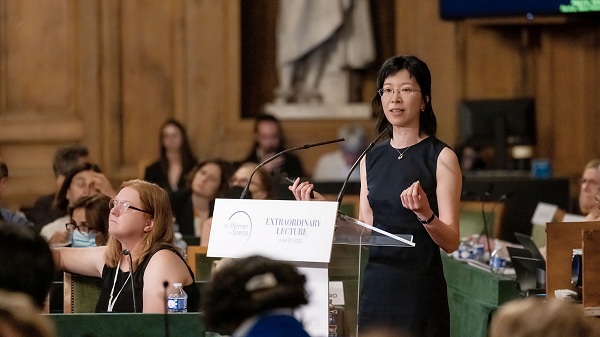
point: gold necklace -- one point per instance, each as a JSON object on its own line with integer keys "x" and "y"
{"x": 401, "y": 154}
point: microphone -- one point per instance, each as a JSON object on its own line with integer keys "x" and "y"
{"x": 341, "y": 193}
{"x": 165, "y": 286}
{"x": 281, "y": 153}
{"x": 128, "y": 253}
{"x": 485, "y": 198}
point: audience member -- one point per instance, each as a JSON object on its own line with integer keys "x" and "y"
{"x": 261, "y": 187}
{"x": 26, "y": 263}
{"x": 207, "y": 181}
{"x": 83, "y": 180}
{"x": 65, "y": 159}
{"x": 176, "y": 158}
{"x": 89, "y": 221}
{"x": 532, "y": 317}
{"x": 588, "y": 187}
{"x": 335, "y": 166}
{"x": 141, "y": 222}
{"x": 20, "y": 318}
{"x": 7, "y": 214}
{"x": 268, "y": 141}
{"x": 254, "y": 296}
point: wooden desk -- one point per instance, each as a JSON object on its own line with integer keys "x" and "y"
{"x": 118, "y": 325}
{"x": 473, "y": 296}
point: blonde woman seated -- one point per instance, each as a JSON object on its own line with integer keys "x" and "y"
{"x": 141, "y": 222}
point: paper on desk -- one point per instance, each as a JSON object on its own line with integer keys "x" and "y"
{"x": 570, "y": 217}
{"x": 543, "y": 213}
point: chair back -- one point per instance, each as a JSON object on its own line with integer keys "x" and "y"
{"x": 81, "y": 293}
{"x": 472, "y": 220}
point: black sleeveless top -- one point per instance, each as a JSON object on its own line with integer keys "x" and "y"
{"x": 124, "y": 302}
{"x": 404, "y": 287}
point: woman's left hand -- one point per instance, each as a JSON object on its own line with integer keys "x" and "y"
{"x": 415, "y": 199}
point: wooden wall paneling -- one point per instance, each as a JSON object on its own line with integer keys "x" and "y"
{"x": 214, "y": 78}
{"x": 43, "y": 99}
{"x": 570, "y": 93}
{"x": 111, "y": 87}
{"x": 420, "y": 31}
{"x": 494, "y": 63}
{"x": 147, "y": 75}
{"x": 543, "y": 104}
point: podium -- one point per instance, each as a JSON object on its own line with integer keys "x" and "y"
{"x": 299, "y": 232}
{"x": 349, "y": 255}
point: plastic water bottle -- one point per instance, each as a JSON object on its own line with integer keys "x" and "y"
{"x": 465, "y": 250}
{"x": 177, "y": 301}
{"x": 477, "y": 248}
{"x": 180, "y": 243}
{"x": 498, "y": 259}
{"x": 332, "y": 320}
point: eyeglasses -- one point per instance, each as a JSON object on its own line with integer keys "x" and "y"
{"x": 404, "y": 92}
{"x": 591, "y": 182}
{"x": 82, "y": 227}
{"x": 123, "y": 206}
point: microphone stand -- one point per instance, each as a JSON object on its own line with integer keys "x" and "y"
{"x": 128, "y": 253}
{"x": 165, "y": 285}
{"x": 245, "y": 191}
{"x": 341, "y": 193}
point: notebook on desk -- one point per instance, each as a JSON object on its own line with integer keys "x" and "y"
{"x": 528, "y": 244}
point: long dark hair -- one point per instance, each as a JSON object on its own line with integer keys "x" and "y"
{"x": 417, "y": 69}
{"x": 188, "y": 159}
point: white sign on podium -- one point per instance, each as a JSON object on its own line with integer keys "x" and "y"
{"x": 300, "y": 232}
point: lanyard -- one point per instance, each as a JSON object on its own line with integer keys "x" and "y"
{"x": 111, "y": 302}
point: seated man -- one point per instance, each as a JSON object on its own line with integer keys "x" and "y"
{"x": 335, "y": 166}
{"x": 83, "y": 180}
{"x": 65, "y": 159}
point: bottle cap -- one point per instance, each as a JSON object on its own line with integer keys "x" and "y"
{"x": 177, "y": 284}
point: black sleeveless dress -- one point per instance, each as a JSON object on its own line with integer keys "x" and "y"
{"x": 404, "y": 287}
{"x": 124, "y": 302}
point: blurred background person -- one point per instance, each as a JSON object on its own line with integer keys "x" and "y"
{"x": 254, "y": 297}
{"x": 89, "y": 221}
{"x": 588, "y": 187}
{"x": 65, "y": 159}
{"x": 335, "y": 166}
{"x": 20, "y": 318}
{"x": 83, "y": 180}
{"x": 7, "y": 214}
{"x": 140, "y": 221}
{"x": 261, "y": 187}
{"x": 26, "y": 263}
{"x": 175, "y": 161}
{"x": 268, "y": 141}
{"x": 207, "y": 181}
{"x": 533, "y": 317}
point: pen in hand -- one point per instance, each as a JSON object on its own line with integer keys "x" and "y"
{"x": 312, "y": 195}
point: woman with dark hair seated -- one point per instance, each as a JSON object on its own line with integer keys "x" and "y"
{"x": 89, "y": 221}
{"x": 254, "y": 296}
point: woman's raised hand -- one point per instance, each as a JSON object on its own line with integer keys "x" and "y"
{"x": 303, "y": 191}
